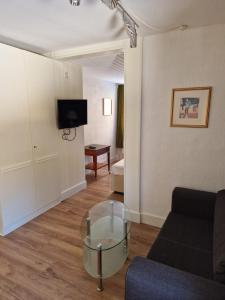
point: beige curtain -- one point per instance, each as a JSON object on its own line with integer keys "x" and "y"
{"x": 120, "y": 117}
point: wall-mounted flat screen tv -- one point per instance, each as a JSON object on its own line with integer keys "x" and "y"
{"x": 71, "y": 113}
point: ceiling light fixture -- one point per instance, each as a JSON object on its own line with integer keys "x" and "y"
{"x": 75, "y": 2}
{"x": 131, "y": 27}
{"x": 130, "y": 24}
{"x": 111, "y": 3}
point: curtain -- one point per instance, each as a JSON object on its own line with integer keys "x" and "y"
{"x": 120, "y": 117}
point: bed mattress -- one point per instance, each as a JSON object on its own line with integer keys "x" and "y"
{"x": 118, "y": 168}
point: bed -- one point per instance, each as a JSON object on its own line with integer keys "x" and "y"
{"x": 118, "y": 177}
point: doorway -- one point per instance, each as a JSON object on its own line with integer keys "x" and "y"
{"x": 103, "y": 87}
{"x": 133, "y": 88}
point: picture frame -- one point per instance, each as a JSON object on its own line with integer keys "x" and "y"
{"x": 107, "y": 106}
{"x": 190, "y": 107}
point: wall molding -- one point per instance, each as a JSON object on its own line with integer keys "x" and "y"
{"x": 15, "y": 167}
{"x": 98, "y": 48}
{"x": 46, "y": 158}
{"x": 152, "y": 220}
{"x": 73, "y": 190}
{"x": 6, "y": 230}
{"x": 27, "y": 163}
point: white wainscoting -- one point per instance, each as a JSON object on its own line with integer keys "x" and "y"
{"x": 47, "y": 179}
{"x": 22, "y": 200}
{"x": 27, "y": 218}
{"x": 17, "y": 192}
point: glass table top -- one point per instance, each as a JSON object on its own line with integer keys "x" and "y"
{"x": 105, "y": 225}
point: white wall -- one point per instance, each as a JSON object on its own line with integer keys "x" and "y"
{"x": 71, "y": 153}
{"x": 188, "y": 157}
{"x": 100, "y": 129}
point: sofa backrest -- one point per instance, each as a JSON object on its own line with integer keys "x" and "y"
{"x": 219, "y": 238}
{"x": 193, "y": 203}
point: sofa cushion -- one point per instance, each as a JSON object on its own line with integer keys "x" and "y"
{"x": 182, "y": 257}
{"x": 219, "y": 238}
{"x": 193, "y": 232}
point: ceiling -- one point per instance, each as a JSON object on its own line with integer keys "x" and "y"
{"x": 108, "y": 67}
{"x": 49, "y": 25}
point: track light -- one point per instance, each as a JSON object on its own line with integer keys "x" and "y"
{"x": 132, "y": 32}
{"x": 129, "y": 22}
{"x": 111, "y": 3}
{"x": 130, "y": 25}
{"x": 75, "y": 2}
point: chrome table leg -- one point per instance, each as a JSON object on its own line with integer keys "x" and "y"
{"x": 100, "y": 283}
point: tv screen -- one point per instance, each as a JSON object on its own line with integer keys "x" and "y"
{"x": 72, "y": 113}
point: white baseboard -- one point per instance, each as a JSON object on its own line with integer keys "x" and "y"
{"x": 6, "y": 230}
{"x": 146, "y": 218}
{"x": 64, "y": 195}
{"x": 153, "y": 220}
{"x": 73, "y": 190}
{"x": 134, "y": 216}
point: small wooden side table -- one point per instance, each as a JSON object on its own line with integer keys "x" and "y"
{"x": 99, "y": 150}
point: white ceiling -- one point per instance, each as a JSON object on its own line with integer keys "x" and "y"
{"x": 108, "y": 67}
{"x": 49, "y": 25}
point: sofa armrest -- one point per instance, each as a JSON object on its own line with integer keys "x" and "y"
{"x": 149, "y": 280}
{"x": 193, "y": 203}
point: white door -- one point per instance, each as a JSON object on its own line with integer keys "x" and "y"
{"x": 17, "y": 192}
{"x": 44, "y": 132}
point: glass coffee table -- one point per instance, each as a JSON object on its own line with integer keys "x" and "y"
{"x": 105, "y": 233}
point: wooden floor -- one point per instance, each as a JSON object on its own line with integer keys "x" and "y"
{"x": 43, "y": 259}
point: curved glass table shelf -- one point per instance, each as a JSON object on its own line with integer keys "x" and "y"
{"x": 105, "y": 233}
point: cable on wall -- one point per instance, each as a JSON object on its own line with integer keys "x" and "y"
{"x": 66, "y": 134}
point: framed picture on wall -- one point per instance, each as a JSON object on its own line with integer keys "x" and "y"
{"x": 190, "y": 107}
{"x": 107, "y": 107}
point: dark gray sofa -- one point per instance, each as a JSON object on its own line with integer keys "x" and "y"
{"x": 187, "y": 260}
